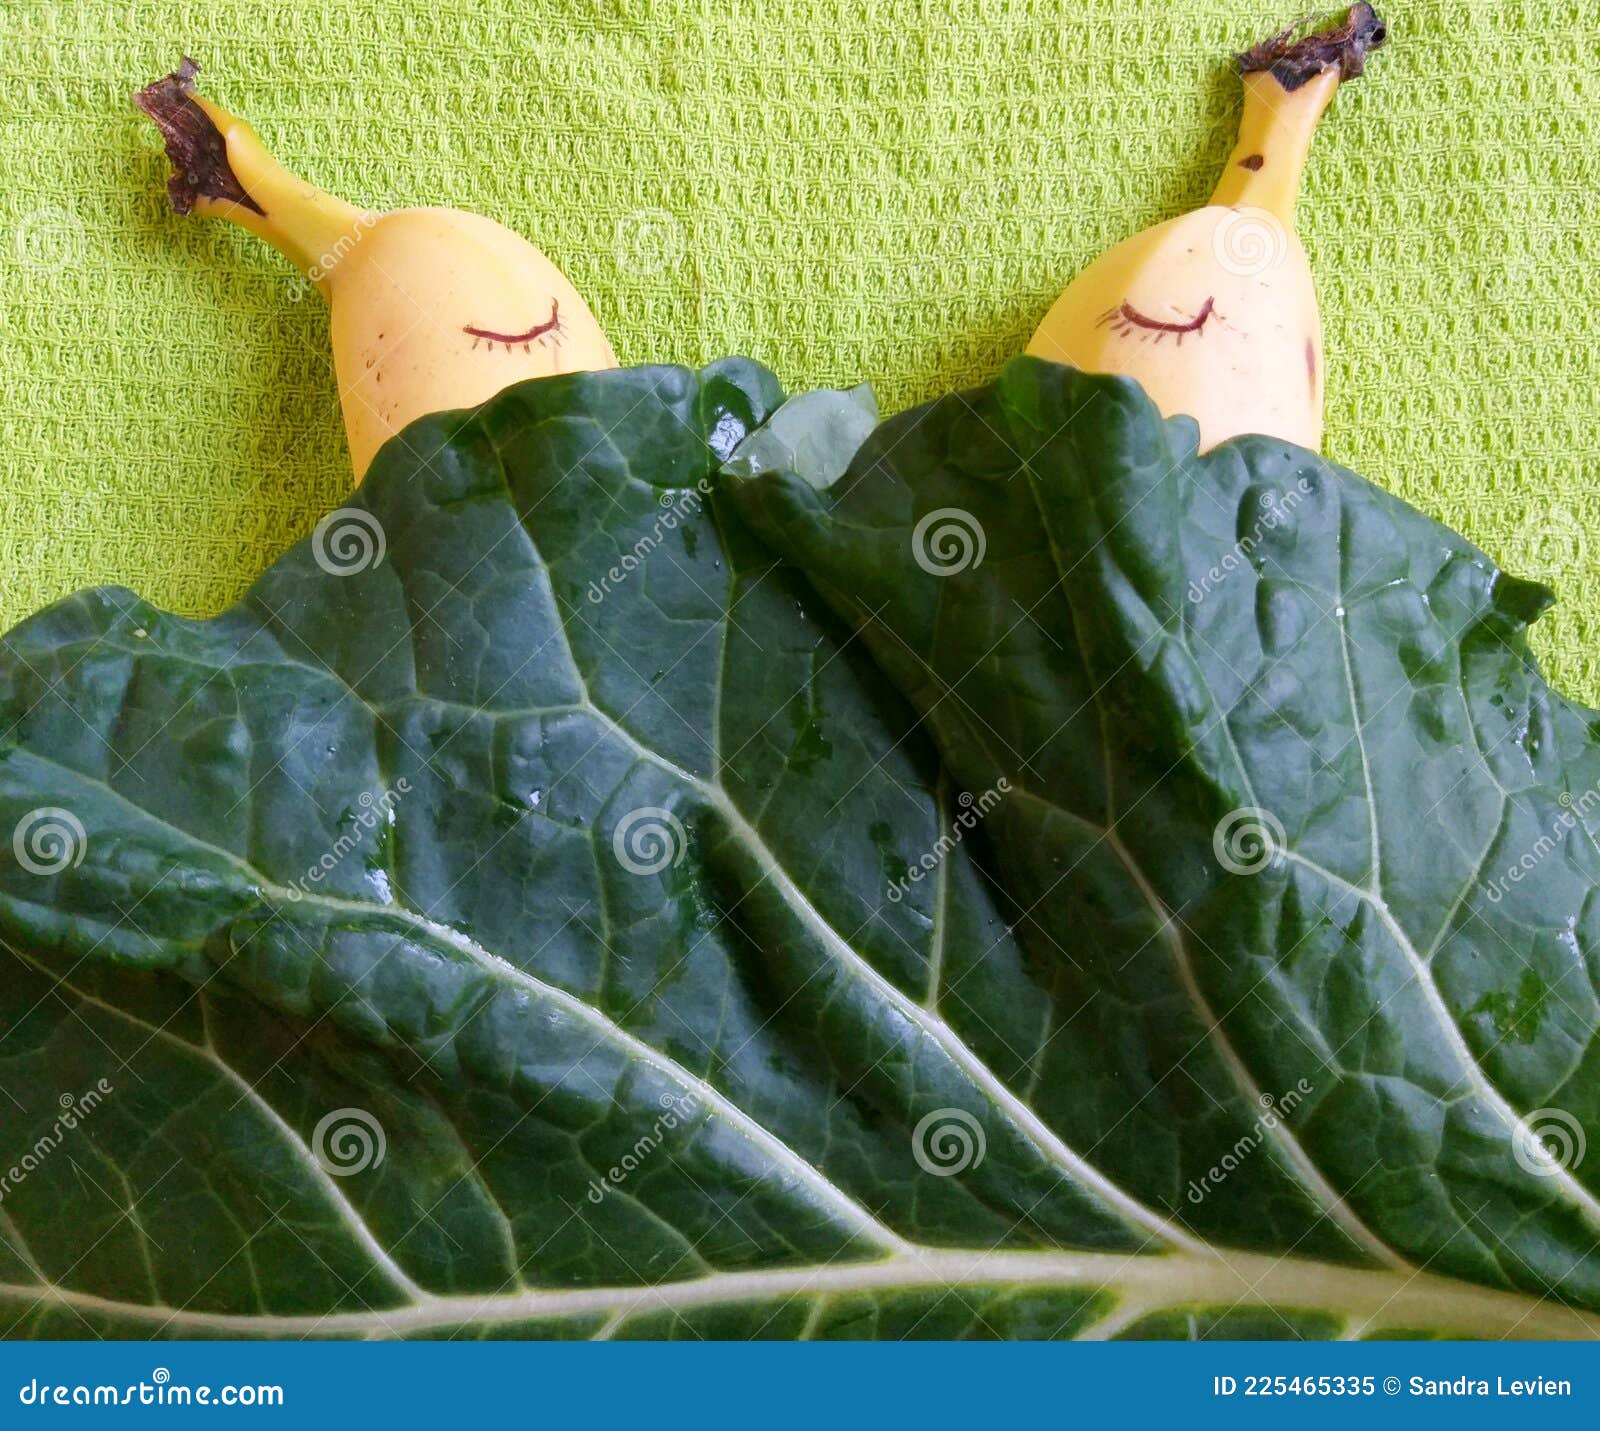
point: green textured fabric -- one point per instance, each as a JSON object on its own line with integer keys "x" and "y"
{"x": 892, "y": 192}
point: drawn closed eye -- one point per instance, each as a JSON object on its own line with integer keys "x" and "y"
{"x": 541, "y": 333}
{"x": 1125, "y": 318}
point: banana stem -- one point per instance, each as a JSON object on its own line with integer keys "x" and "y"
{"x": 221, "y": 168}
{"x": 1288, "y": 84}
{"x": 1275, "y": 132}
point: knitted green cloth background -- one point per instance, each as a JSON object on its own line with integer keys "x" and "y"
{"x": 891, "y": 190}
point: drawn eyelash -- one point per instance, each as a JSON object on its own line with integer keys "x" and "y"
{"x": 1125, "y": 318}
{"x": 539, "y": 333}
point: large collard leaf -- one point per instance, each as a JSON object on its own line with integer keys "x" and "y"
{"x": 486, "y": 929}
{"x": 1285, "y": 781}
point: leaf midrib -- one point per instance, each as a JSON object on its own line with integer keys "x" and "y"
{"x": 1150, "y": 1283}
{"x": 1372, "y": 1300}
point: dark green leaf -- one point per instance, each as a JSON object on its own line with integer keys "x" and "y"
{"x": 1290, "y": 806}
{"x": 496, "y": 938}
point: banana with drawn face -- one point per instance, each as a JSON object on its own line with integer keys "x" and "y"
{"x": 431, "y": 308}
{"x": 1215, "y": 313}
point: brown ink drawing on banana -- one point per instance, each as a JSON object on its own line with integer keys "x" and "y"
{"x": 1125, "y": 319}
{"x": 540, "y": 332}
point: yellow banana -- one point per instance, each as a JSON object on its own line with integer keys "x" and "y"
{"x": 1215, "y": 313}
{"x": 431, "y": 308}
